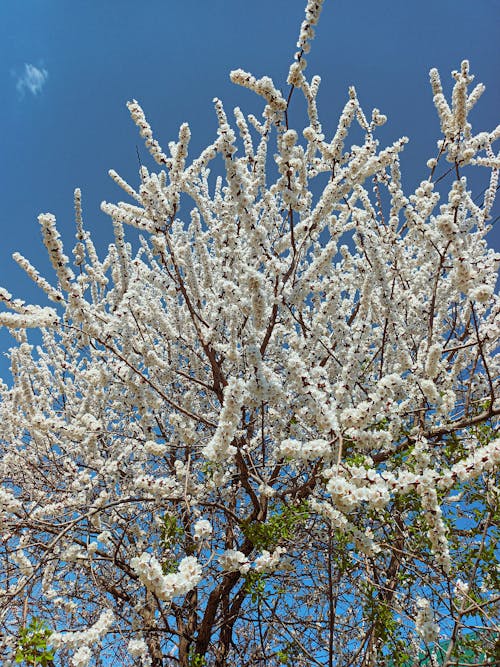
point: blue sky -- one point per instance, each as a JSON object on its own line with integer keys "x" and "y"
{"x": 69, "y": 67}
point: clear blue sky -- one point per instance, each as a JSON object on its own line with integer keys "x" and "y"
{"x": 69, "y": 66}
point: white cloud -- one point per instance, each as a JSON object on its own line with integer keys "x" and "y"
{"x": 32, "y": 79}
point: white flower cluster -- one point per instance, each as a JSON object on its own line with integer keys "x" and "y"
{"x": 220, "y": 448}
{"x": 269, "y": 562}
{"x": 432, "y": 365}
{"x": 8, "y": 503}
{"x": 52, "y": 293}
{"x": 73, "y": 553}
{"x": 425, "y": 626}
{"x": 263, "y": 87}
{"x": 155, "y": 448}
{"x": 293, "y": 181}
{"x": 23, "y": 562}
{"x": 167, "y": 586}
{"x": 305, "y": 451}
{"x": 482, "y": 459}
{"x": 84, "y": 638}
{"x": 129, "y": 215}
{"x": 202, "y": 529}
{"x": 437, "y": 532}
{"x": 52, "y": 241}
{"x": 139, "y": 119}
{"x": 81, "y": 657}
{"x": 349, "y": 486}
{"x": 313, "y": 10}
{"x": 461, "y": 589}
{"x": 460, "y": 145}
{"x": 34, "y": 318}
{"x": 233, "y": 560}
{"x": 363, "y": 485}
{"x": 139, "y": 649}
{"x": 160, "y": 487}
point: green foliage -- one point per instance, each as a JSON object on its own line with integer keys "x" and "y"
{"x": 387, "y": 628}
{"x": 485, "y": 431}
{"x": 33, "y": 647}
{"x": 282, "y": 657}
{"x": 255, "y": 585}
{"x": 379, "y": 614}
{"x": 279, "y": 526}
{"x": 196, "y": 660}
{"x": 288, "y": 654}
{"x": 342, "y": 551}
{"x": 170, "y": 534}
{"x": 399, "y": 656}
{"x": 356, "y": 459}
{"x": 170, "y": 529}
{"x": 169, "y": 565}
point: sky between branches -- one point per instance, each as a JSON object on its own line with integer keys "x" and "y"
{"x": 69, "y": 67}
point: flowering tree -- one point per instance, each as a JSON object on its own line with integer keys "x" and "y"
{"x": 267, "y": 437}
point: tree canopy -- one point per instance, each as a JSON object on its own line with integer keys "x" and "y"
{"x": 265, "y": 432}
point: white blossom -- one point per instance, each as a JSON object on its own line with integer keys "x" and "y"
{"x": 81, "y": 657}
{"x": 424, "y": 622}
{"x": 233, "y": 560}
{"x": 202, "y": 529}
{"x": 268, "y": 562}
{"x": 167, "y": 586}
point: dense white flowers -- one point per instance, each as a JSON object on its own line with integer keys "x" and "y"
{"x": 167, "y": 586}
{"x": 23, "y": 562}
{"x": 221, "y": 446}
{"x": 33, "y": 318}
{"x": 233, "y": 560}
{"x": 155, "y": 448}
{"x": 81, "y": 657}
{"x": 8, "y": 501}
{"x": 264, "y": 87}
{"x": 85, "y": 638}
{"x": 293, "y": 357}
{"x": 424, "y": 622}
{"x": 202, "y": 529}
{"x": 313, "y": 10}
{"x": 145, "y": 129}
{"x": 305, "y": 450}
{"x": 268, "y": 562}
{"x": 137, "y": 647}
{"x": 52, "y": 241}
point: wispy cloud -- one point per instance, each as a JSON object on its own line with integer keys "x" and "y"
{"x": 32, "y": 79}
